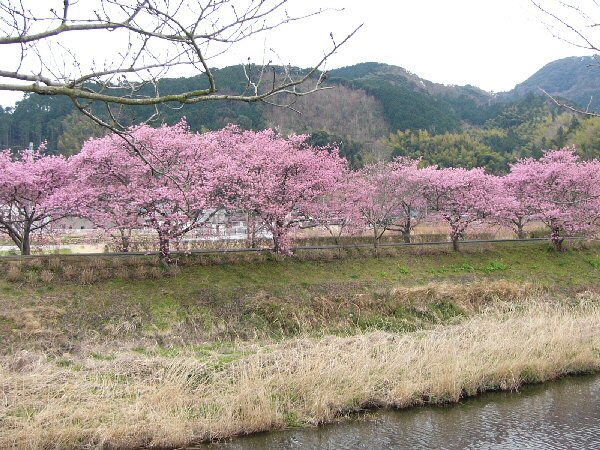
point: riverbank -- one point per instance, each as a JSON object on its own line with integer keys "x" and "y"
{"x": 218, "y": 351}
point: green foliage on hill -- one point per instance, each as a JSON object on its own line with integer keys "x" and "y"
{"x": 575, "y": 79}
{"x": 466, "y": 149}
{"x": 351, "y": 150}
{"x": 444, "y": 125}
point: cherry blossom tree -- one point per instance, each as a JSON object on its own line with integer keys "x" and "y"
{"x": 511, "y": 207}
{"x": 181, "y": 196}
{"x": 336, "y": 210}
{"x": 275, "y": 179}
{"x": 374, "y": 194}
{"x": 461, "y": 197}
{"x": 412, "y": 181}
{"x": 390, "y": 196}
{"x": 564, "y": 192}
{"x": 109, "y": 205}
{"x": 29, "y": 185}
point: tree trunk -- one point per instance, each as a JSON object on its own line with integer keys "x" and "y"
{"x": 375, "y": 239}
{"x": 251, "y": 231}
{"x": 125, "y": 242}
{"x": 455, "y": 244}
{"x": 520, "y": 231}
{"x": 406, "y": 236}
{"x": 277, "y": 245}
{"x": 406, "y": 228}
{"x": 25, "y": 244}
{"x": 164, "y": 252}
{"x": 557, "y": 240}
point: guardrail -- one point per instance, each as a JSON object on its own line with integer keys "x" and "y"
{"x": 294, "y": 249}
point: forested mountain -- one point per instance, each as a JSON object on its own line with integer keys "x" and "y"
{"x": 374, "y": 111}
{"x": 575, "y": 79}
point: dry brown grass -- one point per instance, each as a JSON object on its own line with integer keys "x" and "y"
{"x": 133, "y": 399}
{"x": 47, "y": 276}
{"x": 88, "y": 276}
{"x": 70, "y": 272}
{"x": 470, "y": 297}
{"x": 13, "y": 272}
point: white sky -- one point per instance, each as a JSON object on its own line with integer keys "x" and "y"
{"x": 491, "y": 44}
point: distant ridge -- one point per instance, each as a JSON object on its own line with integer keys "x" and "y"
{"x": 576, "y": 79}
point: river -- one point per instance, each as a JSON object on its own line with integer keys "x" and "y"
{"x": 564, "y": 414}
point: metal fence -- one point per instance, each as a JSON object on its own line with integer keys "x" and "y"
{"x": 293, "y": 249}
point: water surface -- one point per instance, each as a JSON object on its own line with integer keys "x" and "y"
{"x": 560, "y": 415}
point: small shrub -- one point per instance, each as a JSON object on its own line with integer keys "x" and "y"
{"x": 54, "y": 263}
{"x": 155, "y": 273}
{"x": 123, "y": 273}
{"x": 104, "y": 274}
{"x": 403, "y": 270}
{"x": 99, "y": 264}
{"x": 46, "y": 276}
{"x": 215, "y": 259}
{"x": 173, "y": 271}
{"x": 13, "y": 272}
{"x": 140, "y": 273}
{"x": 70, "y": 273}
{"x": 134, "y": 262}
{"x": 88, "y": 276}
{"x": 31, "y": 277}
{"x": 466, "y": 267}
{"x": 35, "y": 263}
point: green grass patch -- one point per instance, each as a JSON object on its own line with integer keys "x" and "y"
{"x": 494, "y": 266}
{"x": 595, "y": 262}
{"x": 273, "y": 299}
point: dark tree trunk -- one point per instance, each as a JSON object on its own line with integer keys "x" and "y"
{"x": 406, "y": 228}
{"x": 277, "y": 245}
{"x": 376, "y": 237}
{"x": 26, "y": 245}
{"x": 164, "y": 251}
{"x": 557, "y": 240}
{"x": 23, "y": 242}
{"x": 406, "y": 236}
{"x": 125, "y": 241}
{"x": 251, "y": 231}
{"x": 455, "y": 244}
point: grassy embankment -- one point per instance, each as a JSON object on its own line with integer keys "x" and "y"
{"x": 218, "y": 349}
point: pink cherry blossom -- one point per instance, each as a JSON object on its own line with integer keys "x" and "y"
{"x": 29, "y": 183}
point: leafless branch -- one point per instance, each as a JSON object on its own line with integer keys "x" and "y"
{"x": 576, "y": 20}
{"x": 562, "y": 104}
{"x": 571, "y": 18}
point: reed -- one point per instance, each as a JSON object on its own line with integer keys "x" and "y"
{"x": 120, "y": 396}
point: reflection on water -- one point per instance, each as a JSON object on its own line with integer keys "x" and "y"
{"x": 560, "y": 415}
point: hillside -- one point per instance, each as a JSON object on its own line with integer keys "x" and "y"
{"x": 365, "y": 104}
{"x": 576, "y": 79}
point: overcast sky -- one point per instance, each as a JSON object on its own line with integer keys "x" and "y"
{"x": 491, "y": 44}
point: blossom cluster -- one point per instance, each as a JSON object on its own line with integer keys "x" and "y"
{"x": 172, "y": 181}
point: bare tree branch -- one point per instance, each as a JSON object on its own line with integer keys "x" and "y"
{"x": 159, "y": 35}
{"x": 565, "y": 18}
{"x": 562, "y": 104}
{"x": 573, "y": 22}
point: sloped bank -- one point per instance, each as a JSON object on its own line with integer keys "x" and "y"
{"x": 229, "y": 349}
{"x": 121, "y": 397}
